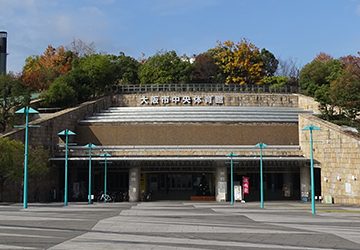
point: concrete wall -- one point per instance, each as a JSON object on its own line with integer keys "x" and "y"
{"x": 338, "y": 152}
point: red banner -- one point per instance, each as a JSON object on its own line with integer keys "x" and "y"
{"x": 246, "y": 185}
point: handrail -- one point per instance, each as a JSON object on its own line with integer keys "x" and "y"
{"x": 199, "y": 87}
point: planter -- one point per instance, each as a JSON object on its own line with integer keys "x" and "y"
{"x": 202, "y": 198}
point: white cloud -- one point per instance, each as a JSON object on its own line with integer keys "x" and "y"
{"x": 358, "y": 10}
{"x": 91, "y": 11}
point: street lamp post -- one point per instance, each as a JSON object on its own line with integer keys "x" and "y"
{"x": 90, "y": 146}
{"x": 105, "y": 177}
{"x": 27, "y": 110}
{"x": 66, "y": 132}
{"x": 261, "y": 145}
{"x": 232, "y": 176}
{"x": 311, "y": 128}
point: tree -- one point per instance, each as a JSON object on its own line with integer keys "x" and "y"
{"x": 206, "y": 70}
{"x": 60, "y": 94}
{"x": 277, "y": 82}
{"x": 12, "y": 159}
{"x": 13, "y": 95}
{"x": 317, "y": 73}
{"x": 270, "y": 63}
{"x": 352, "y": 64}
{"x": 127, "y": 69}
{"x": 240, "y": 61}
{"x": 165, "y": 67}
{"x": 326, "y": 104}
{"x": 80, "y": 48}
{"x": 100, "y": 69}
{"x": 290, "y": 68}
{"x": 323, "y": 57}
{"x": 345, "y": 93}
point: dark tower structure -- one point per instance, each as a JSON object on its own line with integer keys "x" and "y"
{"x": 3, "y": 54}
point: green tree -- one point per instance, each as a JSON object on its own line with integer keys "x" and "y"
{"x": 277, "y": 82}
{"x": 165, "y": 67}
{"x": 317, "y": 73}
{"x": 345, "y": 94}
{"x": 127, "y": 69}
{"x": 270, "y": 63}
{"x": 13, "y": 95}
{"x": 12, "y": 162}
{"x": 326, "y": 104}
{"x": 100, "y": 69}
{"x": 60, "y": 94}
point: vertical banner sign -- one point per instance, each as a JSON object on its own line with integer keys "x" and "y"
{"x": 237, "y": 193}
{"x": 246, "y": 185}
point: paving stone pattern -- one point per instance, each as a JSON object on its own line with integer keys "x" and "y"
{"x": 179, "y": 225}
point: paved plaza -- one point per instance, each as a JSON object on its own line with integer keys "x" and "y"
{"x": 179, "y": 225}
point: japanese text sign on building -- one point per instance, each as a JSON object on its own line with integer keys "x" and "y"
{"x": 246, "y": 185}
{"x": 156, "y": 100}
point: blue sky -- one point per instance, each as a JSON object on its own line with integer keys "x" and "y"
{"x": 289, "y": 29}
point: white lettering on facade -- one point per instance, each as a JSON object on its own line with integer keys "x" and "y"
{"x": 197, "y": 99}
{"x": 175, "y": 99}
{"x": 208, "y": 99}
{"x": 186, "y": 99}
{"x": 165, "y": 99}
{"x": 144, "y": 100}
{"x": 155, "y": 100}
{"x": 219, "y": 99}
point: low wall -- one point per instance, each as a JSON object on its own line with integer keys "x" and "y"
{"x": 228, "y": 99}
{"x": 47, "y": 134}
{"x": 338, "y": 152}
{"x": 308, "y": 103}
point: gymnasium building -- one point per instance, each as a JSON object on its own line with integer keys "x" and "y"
{"x": 167, "y": 141}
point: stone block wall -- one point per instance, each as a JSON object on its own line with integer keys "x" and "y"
{"x": 229, "y": 99}
{"x": 47, "y": 134}
{"x": 308, "y": 103}
{"x": 338, "y": 152}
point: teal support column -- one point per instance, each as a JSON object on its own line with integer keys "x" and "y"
{"x": 261, "y": 145}
{"x": 105, "y": 177}
{"x": 90, "y": 146}
{"x": 232, "y": 177}
{"x": 27, "y": 110}
{"x": 311, "y": 128}
{"x": 66, "y": 132}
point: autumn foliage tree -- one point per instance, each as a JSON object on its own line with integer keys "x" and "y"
{"x": 241, "y": 62}
{"x": 205, "y": 69}
{"x": 40, "y": 72}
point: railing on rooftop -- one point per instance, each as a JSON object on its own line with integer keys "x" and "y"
{"x": 200, "y": 87}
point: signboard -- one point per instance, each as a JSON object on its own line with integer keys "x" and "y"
{"x": 237, "y": 193}
{"x": 348, "y": 187}
{"x": 246, "y": 185}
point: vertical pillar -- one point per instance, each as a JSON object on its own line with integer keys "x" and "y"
{"x": 134, "y": 183}
{"x": 305, "y": 185}
{"x": 221, "y": 183}
{"x": 288, "y": 183}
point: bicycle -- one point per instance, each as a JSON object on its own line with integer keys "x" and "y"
{"x": 105, "y": 197}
